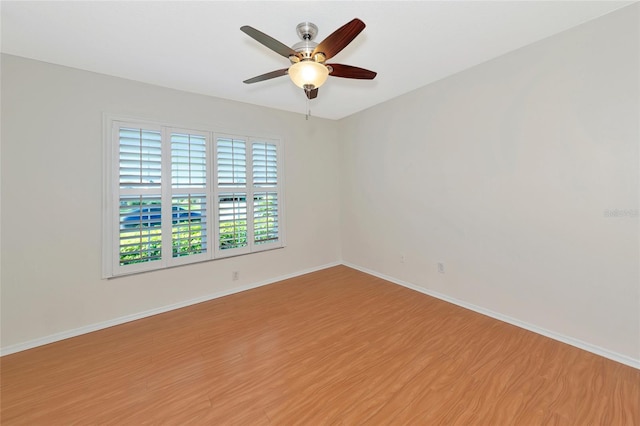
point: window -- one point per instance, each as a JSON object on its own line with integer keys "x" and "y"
{"x": 177, "y": 196}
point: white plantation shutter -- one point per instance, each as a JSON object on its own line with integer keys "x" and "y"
{"x": 139, "y": 198}
{"x": 248, "y": 200}
{"x": 231, "y": 182}
{"x": 266, "y": 207}
{"x": 189, "y": 189}
{"x": 176, "y": 196}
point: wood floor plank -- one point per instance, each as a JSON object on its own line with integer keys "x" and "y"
{"x": 335, "y": 347}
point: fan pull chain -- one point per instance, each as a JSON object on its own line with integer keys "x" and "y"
{"x": 308, "y": 111}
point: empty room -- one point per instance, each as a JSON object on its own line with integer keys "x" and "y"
{"x": 331, "y": 212}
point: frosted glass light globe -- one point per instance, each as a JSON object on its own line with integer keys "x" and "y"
{"x": 308, "y": 73}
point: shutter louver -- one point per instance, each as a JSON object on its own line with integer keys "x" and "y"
{"x": 189, "y": 224}
{"x": 188, "y": 161}
{"x": 265, "y": 217}
{"x": 140, "y": 229}
{"x": 265, "y": 164}
{"x": 232, "y": 220}
{"x": 232, "y": 162}
{"x": 140, "y": 158}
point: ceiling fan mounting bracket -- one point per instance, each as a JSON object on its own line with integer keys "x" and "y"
{"x": 307, "y": 31}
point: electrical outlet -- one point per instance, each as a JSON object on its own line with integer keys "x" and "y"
{"x": 441, "y": 267}
{"x": 235, "y": 275}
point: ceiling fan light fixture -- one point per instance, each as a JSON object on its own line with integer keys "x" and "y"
{"x": 308, "y": 73}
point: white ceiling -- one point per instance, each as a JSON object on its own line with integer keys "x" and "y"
{"x": 198, "y": 46}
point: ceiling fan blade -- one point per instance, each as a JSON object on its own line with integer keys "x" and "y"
{"x": 267, "y": 76}
{"x": 311, "y": 94}
{"x": 339, "y": 39}
{"x": 347, "y": 71}
{"x": 270, "y": 42}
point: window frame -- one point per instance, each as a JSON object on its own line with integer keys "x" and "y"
{"x": 112, "y": 192}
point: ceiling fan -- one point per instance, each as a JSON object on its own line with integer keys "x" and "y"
{"x": 308, "y": 69}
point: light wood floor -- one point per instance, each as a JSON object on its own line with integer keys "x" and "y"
{"x": 333, "y": 347}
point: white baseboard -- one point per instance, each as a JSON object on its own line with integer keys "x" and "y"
{"x": 121, "y": 320}
{"x": 623, "y": 359}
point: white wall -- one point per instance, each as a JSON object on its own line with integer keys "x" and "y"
{"x": 504, "y": 173}
{"x": 52, "y": 192}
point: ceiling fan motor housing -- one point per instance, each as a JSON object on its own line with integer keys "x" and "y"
{"x": 307, "y": 31}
